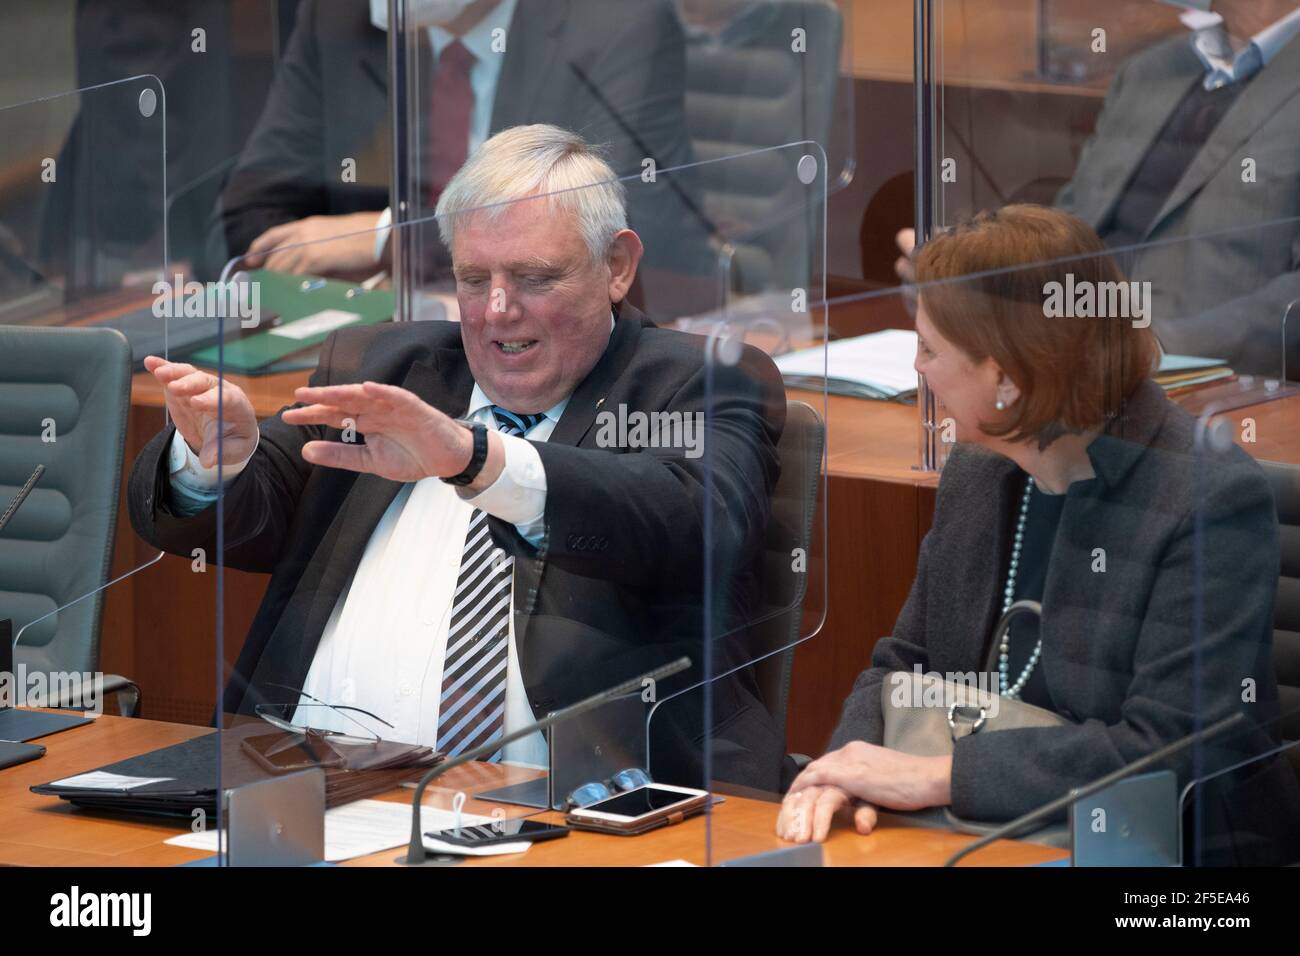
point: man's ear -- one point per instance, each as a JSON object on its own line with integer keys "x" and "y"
{"x": 624, "y": 257}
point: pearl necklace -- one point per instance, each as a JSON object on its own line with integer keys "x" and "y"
{"x": 1008, "y": 598}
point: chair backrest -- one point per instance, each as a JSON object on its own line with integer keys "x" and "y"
{"x": 64, "y": 397}
{"x": 794, "y": 505}
{"x": 746, "y": 90}
{"x": 1285, "y": 480}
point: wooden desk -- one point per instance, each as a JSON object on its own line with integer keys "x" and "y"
{"x": 46, "y": 831}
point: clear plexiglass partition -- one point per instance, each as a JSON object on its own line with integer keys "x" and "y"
{"x": 82, "y": 267}
{"x": 1099, "y": 586}
{"x": 1184, "y": 169}
{"x": 658, "y": 85}
{"x": 94, "y": 312}
{"x": 402, "y": 609}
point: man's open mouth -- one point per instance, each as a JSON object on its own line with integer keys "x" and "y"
{"x": 514, "y": 348}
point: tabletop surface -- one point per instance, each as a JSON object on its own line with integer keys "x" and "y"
{"x": 46, "y": 831}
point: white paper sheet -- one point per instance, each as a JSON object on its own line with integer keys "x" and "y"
{"x": 881, "y": 361}
{"x": 326, "y": 320}
{"x": 364, "y": 827}
{"x": 102, "y": 780}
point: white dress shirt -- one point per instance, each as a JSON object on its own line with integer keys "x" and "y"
{"x": 383, "y": 647}
{"x": 384, "y": 644}
{"x": 1223, "y": 65}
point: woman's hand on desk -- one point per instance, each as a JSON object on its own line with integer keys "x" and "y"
{"x": 881, "y": 777}
{"x": 807, "y": 814}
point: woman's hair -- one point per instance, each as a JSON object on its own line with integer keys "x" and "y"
{"x": 997, "y": 287}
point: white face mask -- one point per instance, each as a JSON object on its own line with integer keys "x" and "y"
{"x": 420, "y": 13}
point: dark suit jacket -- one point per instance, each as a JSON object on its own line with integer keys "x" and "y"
{"x": 1125, "y": 657}
{"x": 610, "y": 70}
{"x": 615, "y": 588}
{"x": 1223, "y": 256}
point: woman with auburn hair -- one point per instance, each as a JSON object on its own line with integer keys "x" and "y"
{"x": 1075, "y": 483}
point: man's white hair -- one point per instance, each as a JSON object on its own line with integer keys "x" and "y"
{"x": 538, "y": 160}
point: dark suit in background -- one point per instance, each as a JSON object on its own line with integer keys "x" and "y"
{"x": 615, "y": 589}
{"x": 612, "y": 71}
{"x": 1223, "y": 295}
{"x": 1122, "y": 652}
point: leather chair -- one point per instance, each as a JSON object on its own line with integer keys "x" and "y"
{"x": 746, "y": 91}
{"x": 71, "y": 385}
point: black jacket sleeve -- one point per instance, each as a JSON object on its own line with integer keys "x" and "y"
{"x": 258, "y": 505}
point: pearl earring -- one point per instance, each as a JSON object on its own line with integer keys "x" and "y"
{"x": 1000, "y": 405}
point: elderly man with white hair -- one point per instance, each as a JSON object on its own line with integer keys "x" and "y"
{"x": 478, "y": 555}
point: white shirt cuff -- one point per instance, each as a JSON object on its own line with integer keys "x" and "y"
{"x": 519, "y": 493}
{"x": 186, "y": 471}
{"x": 381, "y": 235}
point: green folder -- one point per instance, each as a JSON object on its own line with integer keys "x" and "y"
{"x": 303, "y": 303}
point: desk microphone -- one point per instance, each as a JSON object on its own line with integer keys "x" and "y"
{"x": 415, "y": 853}
{"x": 7, "y": 639}
{"x": 1061, "y": 803}
{"x": 19, "y": 498}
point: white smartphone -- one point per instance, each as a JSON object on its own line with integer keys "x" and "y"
{"x": 655, "y": 804}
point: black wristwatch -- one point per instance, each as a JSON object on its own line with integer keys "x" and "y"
{"x": 477, "y": 459}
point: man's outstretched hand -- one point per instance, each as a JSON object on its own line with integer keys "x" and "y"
{"x": 406, "y": 438}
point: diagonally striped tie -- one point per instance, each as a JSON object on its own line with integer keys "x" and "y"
{"x": 473, "y": 703}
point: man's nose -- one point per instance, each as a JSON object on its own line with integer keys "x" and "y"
{"x": 502, "y": 304}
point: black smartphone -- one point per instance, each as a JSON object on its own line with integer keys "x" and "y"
{"x": 12, "y": 753}
{"x": 500, "y": 831}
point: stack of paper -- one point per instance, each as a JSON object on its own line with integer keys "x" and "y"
{"x": 878, "y": 366}
{"x": 1179, "y": 372}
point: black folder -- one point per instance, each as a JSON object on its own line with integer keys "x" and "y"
{"x": 191, "y": 768}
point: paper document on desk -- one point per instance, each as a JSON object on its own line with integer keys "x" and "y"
{"x": 1178, "y": 372}
{"x": 319, "y": 323}
{"x": 492, "y": 849}
{"x": 101, "y": 780}
{"x": 360, "y": 828}
{"x": 877, "y": 366}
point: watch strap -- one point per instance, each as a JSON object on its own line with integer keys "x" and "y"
{"x": 477, "y": 459}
